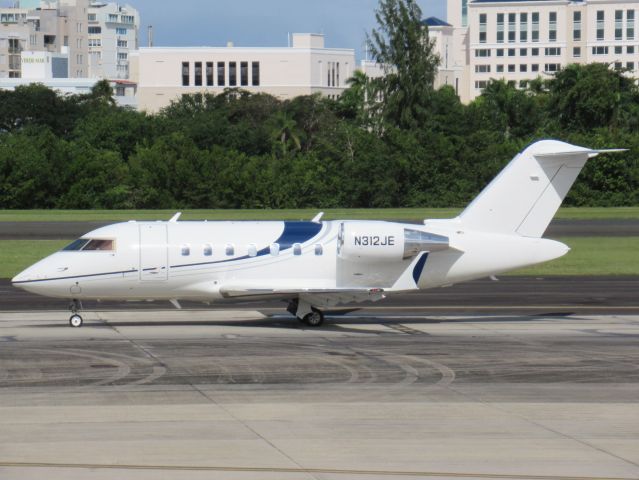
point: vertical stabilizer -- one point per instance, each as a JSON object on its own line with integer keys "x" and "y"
{"x": 527, "y": 193}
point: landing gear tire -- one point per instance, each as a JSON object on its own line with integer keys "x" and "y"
{"x": 76, "y": 321}
{"x": 314, "y": 319}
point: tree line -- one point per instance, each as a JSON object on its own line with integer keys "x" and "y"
{"x": 390, "y": 142}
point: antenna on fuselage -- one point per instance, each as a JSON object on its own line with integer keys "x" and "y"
{"x": 175, "y": 217}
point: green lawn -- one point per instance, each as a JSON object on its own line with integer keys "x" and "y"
{"x": 407, "y": 214}
{"x": 589, "y": 256}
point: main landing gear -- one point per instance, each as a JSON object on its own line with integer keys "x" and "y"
{"x": 306, "y": 314}
{"x": 75, "y": 320}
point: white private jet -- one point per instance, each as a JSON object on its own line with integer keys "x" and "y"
{"x": 319, "y": 264}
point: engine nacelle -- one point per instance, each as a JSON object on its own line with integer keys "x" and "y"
{"x": 382, "y": 241}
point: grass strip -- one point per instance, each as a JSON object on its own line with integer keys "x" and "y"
{"x": 404, "y": 214}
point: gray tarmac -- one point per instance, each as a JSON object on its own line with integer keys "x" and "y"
{"x": 71, "y": 230}
{"x": 237, "y": 394}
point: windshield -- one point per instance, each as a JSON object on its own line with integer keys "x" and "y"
{"x": 90, "y": 245}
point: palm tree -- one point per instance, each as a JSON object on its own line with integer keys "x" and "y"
{"x": 285, "y": 131}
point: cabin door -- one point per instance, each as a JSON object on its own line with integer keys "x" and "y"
{"x": 153, "y": 252}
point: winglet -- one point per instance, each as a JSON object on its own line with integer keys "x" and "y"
{"x": 318, "y": 218}
{"x": 176, "y": 303}
{"x": 175, "y": 217}
{"x": 409, "y": 279}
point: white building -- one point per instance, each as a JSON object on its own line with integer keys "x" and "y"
{"x": 164, "y": 74}
{"x": 113, "y": 32}
{"x": 519, "y": 40}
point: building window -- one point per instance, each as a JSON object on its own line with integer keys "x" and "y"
{"x": 618, "y": 50}
{"x": 500, "y": 69}
{"x": 552, "y": 51}
{"x": 123, "y": 44}
{"x": 48, "y": 40}
{"x": 464, "y": 10}
{"x": 512, "y": 52}
{"x": 523, "y": 52}
{"x": 33, "y": 40}
{"x": 482, "y": 68}
{"x": 185, "y": 74}
{"x": 480, "y": 84}
{"x": 500, "y": 28}
{"x": 535, "y": 27}
{"x": 523, "y": 83}
{"x": 552, "y": 27}
{"x": 600, "y": 25}
{"x": 511, "y": 68}
{"x": 630, "y": 49}
{"x": 482, "y": 27}
{"x": 95, "y": 30}
{"x": 552, "y": 67}
{"x": 244, "y": 74}
{"x": 79, "y": 59}
{"x": 113, "y": 18}
{"x": 120, "y": 31}
{"x": 600, "y": 50}
{"x": 630, "y": 24}
{"x": 128, "y": 19}
{"x": 512, "y": 27}
{"x": 534, "y": 52}
{"x": 523, "y": 68}
{"x": 534, "y": 67}
{"x": 576, "y": 26}
{"x": 123, "y": 57}
{"x": 523, "y": 27}
{"x": 500, "y": 52}
{"x": 630, "y": 65}
{"x": 232, "y": 74}
{"x": 576, "y": 52}
{"x": 78, "y": 28}
{"x": 618, "y": 24}
{"x": 255, "y": 74}
{"x": 482, "y": 52}
{"x": 221, "y": 74}
{"x": 209, "y": 74}
{"x": 198, "y": 74}
{"x": 92, "y": 17}
{"x": 95, "y": 42}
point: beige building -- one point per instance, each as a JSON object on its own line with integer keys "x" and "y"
{"x": 57, "y": 26}
{"x": 519, "y": 40}
{"x": 305, "y": 67}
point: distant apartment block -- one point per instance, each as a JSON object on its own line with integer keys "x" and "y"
{"x": 519, "y": 40}
{"x": 113, "y": 31}
{"x": 164, "y": 74}
{"x": 57, "y": 27}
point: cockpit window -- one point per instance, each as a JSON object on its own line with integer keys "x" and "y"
{"x": 76, "y": 246}
{"x": 99, "y": 245}
{"x": 90, "y": 245}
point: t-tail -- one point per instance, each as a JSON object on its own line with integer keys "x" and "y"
{"x": 526, "y": 195}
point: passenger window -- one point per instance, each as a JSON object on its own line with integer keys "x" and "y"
{"x": 186, "y": 250}
{"x": 208, "y": 250}
{"x": 76, "y": 246}
{"x": 297, "y": 249}
{"x": 230, "y": 250}
{"x": 275, "y": 249}
{"x": 99, "y": 245}
{"x": 319, "y": 250}
{"x": 252, "y": 250}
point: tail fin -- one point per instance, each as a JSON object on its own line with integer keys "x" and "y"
{"x": 527, "y": 193}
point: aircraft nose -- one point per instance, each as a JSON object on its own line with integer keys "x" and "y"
{"x": 20, "y": 278}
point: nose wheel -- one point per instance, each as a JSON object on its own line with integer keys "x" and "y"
{"x": 75, "y": 320}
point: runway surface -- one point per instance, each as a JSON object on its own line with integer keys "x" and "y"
{"x": 242, "y": 395}
{"x": 515, "y": 295}
{"x": 71, "y": 230}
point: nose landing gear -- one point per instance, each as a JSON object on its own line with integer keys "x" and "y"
{"x": 75, "y": 320}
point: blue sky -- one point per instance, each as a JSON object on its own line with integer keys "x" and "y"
{"x": 262, "y": 22}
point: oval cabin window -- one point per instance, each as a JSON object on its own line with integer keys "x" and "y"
{"x": 185, "y": 250}
{"x": 208, "y": 250}
{"x": 230, "y": 250}
{"x": 319, "y": 250}
{"x": 252, "y": 250}
{"x": 275, "y": 249}
{"x": 297, "y": 249}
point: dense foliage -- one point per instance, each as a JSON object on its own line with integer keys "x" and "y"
{"x": 382, "y": 144}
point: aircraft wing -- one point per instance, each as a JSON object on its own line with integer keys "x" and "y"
{"x": 316, "y": 296}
